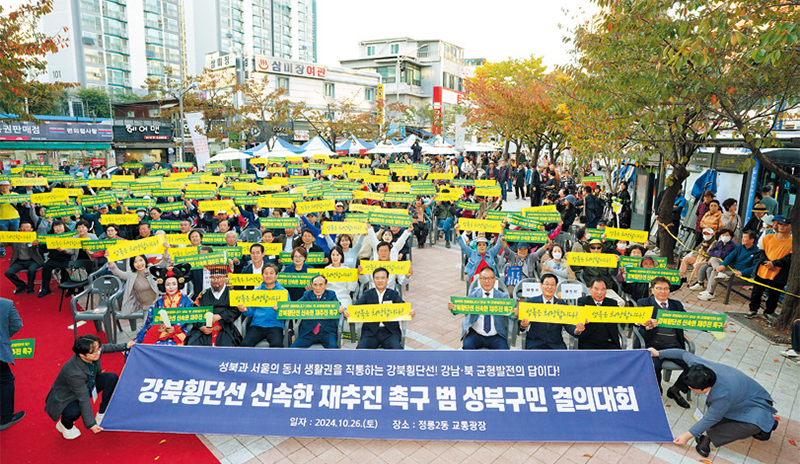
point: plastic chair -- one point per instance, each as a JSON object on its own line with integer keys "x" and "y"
{"x": 108, "y": 289}
{"x": 289, "y": 338}
{"x": 571, "y": 301}
{"x": 667, "y": 366}
{"x": 517, "y": 292}
{"x": 75, "y": 281}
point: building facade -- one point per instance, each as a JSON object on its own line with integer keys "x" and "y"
{"x": 417, "y": 73}
{"x": 118, "y": 44}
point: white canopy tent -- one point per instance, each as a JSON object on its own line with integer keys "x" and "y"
{"x": 228, "y": 154}
{"x": 386, "y": 149}
{"x": 439, "y": 150}
{"x": 278, "y": 151}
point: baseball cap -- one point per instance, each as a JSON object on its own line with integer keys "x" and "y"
{"x": 708, "y": 231}
{"x": 5, "y": 182}
{"x": 340, "y": 204}
{"x": 782, "y": 219}
{"x": 481, "y": 240}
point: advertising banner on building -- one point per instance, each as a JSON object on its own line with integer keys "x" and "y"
{"x": 586, "y": 396}
{"x": 50, "y": 131}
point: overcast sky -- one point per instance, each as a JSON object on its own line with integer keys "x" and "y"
{"x": 493, "y": 29}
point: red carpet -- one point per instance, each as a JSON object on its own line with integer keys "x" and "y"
{"x": 35, "y": 439}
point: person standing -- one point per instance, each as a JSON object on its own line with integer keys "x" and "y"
{"x": 737, "y": 407}
{"x": 77, "y": 385}
{"x": 503, "y": 176}
{"x": 773, "y": 270}
{"x": 10, "y": 323}
{"x": 519, "y": 182}
{"x": 768, "y": 201}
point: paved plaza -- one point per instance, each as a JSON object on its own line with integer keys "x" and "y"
{"x": 436, "y": 278}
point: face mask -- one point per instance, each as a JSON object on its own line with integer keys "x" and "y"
{"x": 556, "y": 255}
{"x": 587, "y": 237}
{"x": 725, "y": 239}
{"x": 707, "y": 237}
{"x": 622, "y": 246}
{"x": 140, "y": 214}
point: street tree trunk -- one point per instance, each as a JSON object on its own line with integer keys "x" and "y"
{"x": 674, "y": 183}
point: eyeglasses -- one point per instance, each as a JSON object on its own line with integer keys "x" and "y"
{"x": 487, "y": 279}
{"x": 595, "y": 248}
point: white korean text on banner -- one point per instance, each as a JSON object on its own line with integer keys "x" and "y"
{"x": 588, "y": 396}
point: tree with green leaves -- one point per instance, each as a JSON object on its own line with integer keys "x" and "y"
{"x": 22, "y": 58}
{"x": 97, "y": 101}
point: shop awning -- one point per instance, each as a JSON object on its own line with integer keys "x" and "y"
{"x": 53, "y": 146}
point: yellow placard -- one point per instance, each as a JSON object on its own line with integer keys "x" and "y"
{"x": 373, "y": 179}
{"x": 123, "y": 178}
{"x": 399, "y": 187}
{"x": 49, "y": 198}
{"x": 351, "y": 228}
{"x": 274, "y": 202}
{"x": 258, "y": 298}
{"x": 28, "y": 181}
{"x": 65, "y": 243}
{"x": 119, "y": 219}
{"x": 487, "y": 191}
{"x": 171, "y": 185}
{"x": 592, "y": 259}
{"x": 16, "y": 170}
{"x": 357, "y": 175}
{"x": 394, "y": 267}
{"x": 70, "y": 192}
{"x": 383, "y": 172}
{"x": 552, "y": 313}
{"x": 245, "y": 280}
{"x": 258, "y": 161}
{"x": 333, "y": 171}
{"x": 566, "y": 314}
{"x": 440, "y": 176}
{"x": 216, "y": 205}
{"x": 276, "y": 170}
{"x": 638, "y": 236}
{"x": 485, "y": 182}
{"x": 359, "y": 208}
{"x": 275, "y": 181}
{"x": 363, "y": 161}
{"x": 176, "y": 252}
{"x": 365, "y": 195}
{"x": 305, "y": 207}
{"x": 449, "y": 196}
{"x": 386, "y": 312}
{"x": 177, "y": 239}
{"x": 539, "y": 209}
{"x": 341, "y": 274}
{"x": 484, "y": 225}
{"x": 209, "y": 179}
{"x": 100, "y": 183}
{"x": 125, "y": 249}
{"x": 17, "y": 237}
{"x": 270, "y": 249}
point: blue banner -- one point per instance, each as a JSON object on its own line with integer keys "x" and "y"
{"x": 576, "y": 396}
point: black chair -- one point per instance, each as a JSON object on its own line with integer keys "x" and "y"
{"x": 250, "y": 236}
{"x": 76, "y": 278}
{"x": 667, "y": 366}
{"x": 109, "y": 289}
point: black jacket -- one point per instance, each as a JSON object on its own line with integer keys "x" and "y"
{"x": 597, "y": 335}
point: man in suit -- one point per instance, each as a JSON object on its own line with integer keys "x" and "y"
{"x": 662, "y": 338}
{"x": 379, "y": 334}
{"x": 481, "y": 330}
{"x": 323, "y": 331}
{"x": 10, "y": 323}
{"x": 81, "y": 378}
{"x": 24, "y": 257}
{"x": 544, "y": 335}
{"x": 596, "y": 335}
{"x": 737, "y": 407}
{"x": 536, "y": 186}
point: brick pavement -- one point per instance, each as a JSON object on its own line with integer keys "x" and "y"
{"x": 436, "y": 278}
